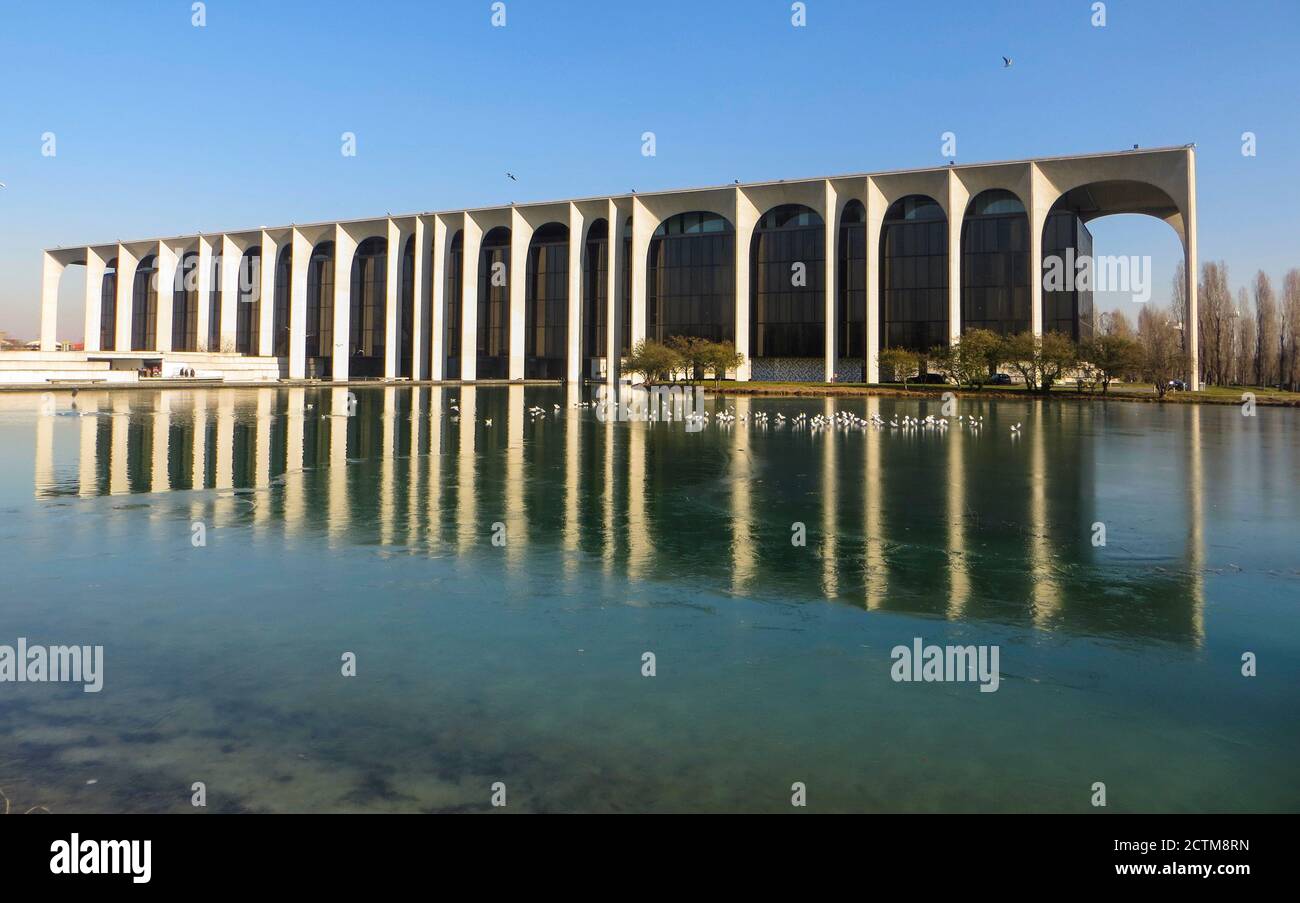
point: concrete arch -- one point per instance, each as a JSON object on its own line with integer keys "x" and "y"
{"x": 914, "y": 286}
{"x": 547, "y": 287}
{"x": 715, "y": 279}
{"x": 370, "y": 302}
{"x": 788, "y": 289}
{"x": 248, "y": 300}
{"x": 185, "y": 301}
{"x": 993, "y": 251}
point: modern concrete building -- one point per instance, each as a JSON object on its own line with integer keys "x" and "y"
{"x": 809, "y": 278}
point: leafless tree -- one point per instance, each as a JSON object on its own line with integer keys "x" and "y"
{"x": 1267, "y": 332}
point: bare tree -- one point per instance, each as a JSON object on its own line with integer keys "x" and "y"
{"x": 1163, "y": 359}
{"x": 1291, "y": 329}
{"x": 1267, "y": 331}
{"x": 1243, "y": 351}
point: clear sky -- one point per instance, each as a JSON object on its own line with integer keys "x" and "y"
{"x": 164, "y": 128}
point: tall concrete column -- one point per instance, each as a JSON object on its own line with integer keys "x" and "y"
{"x": 392, "y": 296}
{"x": 266, "y": 291}
{"x": 345, "y": 248}
{"x": 420, "y": 292}
{"x": 168, "y": 263}
{"x": 521, "y": 236}
{"x": 96, "y": 265}
{"x": 1190, "y": 267}
{"x": 438, "y": 247}
{"x": 614, "y": 262}
{"x": 573, "y": 331}
{"x": 51, "y": 272}
{"x": 203, "y": 288}
{"x": 473, "y": 240}
{"x": 1041, "y": 197}
{"x": 127, "y": 261}
{"x": 643, "y": 227}
{"x": 956, "y": 204}
{"x": 746, "y": 218}
{"x": 830, "y": 204}
{"x": 875, "y": 216}
{"x": 299, "y": 266}
{"x": 232, "y": 254}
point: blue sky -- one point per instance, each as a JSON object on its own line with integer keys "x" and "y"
{"x": 163, "y": 128}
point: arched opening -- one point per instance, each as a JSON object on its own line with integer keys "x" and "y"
{"x": 546, "y": 303}
{"x": 1068, "y": 301}
{"x": 248, "y": 308}
{"x": 494, "y": 305}
{"x": 691, "y": 278}
{"x": 144, "y": 306}
{"x": 851, "y": 293}
{"x": 319, "y": 352}
{"x": 995, "y": 286}
{"x": 595, "y": 297}
{"x": 108, "y": 307}
{"x": 283, "y": 285}
{"x": 185, "y": 305}
{"x": 406, "y": 326}
{"x": 787, "y": 310}
{"x": 366, "y": 346}
{"x": 451, "y": 324}
{"x": 914, "y": 275}
{"x": 214, "y": 307}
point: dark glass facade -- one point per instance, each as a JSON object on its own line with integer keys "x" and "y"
{"x": 995, "y": 287}
{"x": 406, "y": 324}
{"x": 185, "y": 305}
{"x": 248, "y": 309}
{"x": 851, "y": 270}
{"x": 144, "y": 306}
{"x": 283, "y": 284}
{"x": 367, "y": 322}
{"x": 108, "y": 308}
{"x": 1067, "y": 312}
{"x": 214, "y": 306}
{"x": 546, "y": 303}
{"x": 595, "y": 294}
{"x": 914, "y": 275}
{"x": 787, "y": 311}
{"x": 493, "y": 351}
{"x": 690, "y": 279}
{"x": 320, "y": 311}
{"x": 454, "y": 304}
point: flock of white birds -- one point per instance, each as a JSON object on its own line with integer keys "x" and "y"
{"x": 841, "y": 420}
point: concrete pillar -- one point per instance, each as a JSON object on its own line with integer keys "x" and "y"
{"x": 1190, "y": 267}
{"x": 613, "y": 292}
{"x": 231, "y": 255}
{"x": 875, "y": 215}
{"x": 746, "y": 217}
{"x": 203, "y": 285}
{"x": 266, "y": 290}
{"x": 521, "y": 235}
{"x": 573, "y": 333}
{"x": 168, "y": 263}
{"x": 126, "y": 266}
{"x": 298, "y": 304}
{"x": 473, "y": 240}
{"x": 51, "y": 273}
{"x": 392, "y": 296}
{"x": 830, "y": 203}
{"x": 420, "y": 291}
{"x": 437, "y": 274}
{"x": 345, "y": 248}
{"x": 643, "y": 227}
{"x": 957, "y": 196}
{"x": 96, "y": 264}
{"x": 1041, "y": 198}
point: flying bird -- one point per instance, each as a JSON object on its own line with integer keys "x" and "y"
{"x": 512, "y": 177}
{"x": 1006, "y": 62}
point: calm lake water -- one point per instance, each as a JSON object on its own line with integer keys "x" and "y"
{"x": 522, "y": 663}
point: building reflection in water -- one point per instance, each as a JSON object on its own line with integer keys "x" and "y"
{"x": 895, "y": 522}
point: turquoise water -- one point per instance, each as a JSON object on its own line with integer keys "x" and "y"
{"x": 521, "y": 663}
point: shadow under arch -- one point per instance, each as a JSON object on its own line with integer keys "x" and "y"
{"x": 493, "y": 322}
{"x": 787, "y": 310}
{"x": 546, "y": 303}
{"x": 691, "y": 278}
{"x": 914, "y": 274}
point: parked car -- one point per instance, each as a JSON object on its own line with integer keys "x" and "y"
{"x": 932, "y": 379}
{"x": 1177, "y": 385}
{"x": 1000, "y": 379}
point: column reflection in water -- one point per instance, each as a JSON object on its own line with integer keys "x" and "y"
{"x": 295, "y": 477}
{"x": 414, "y": 470}
{"x": 433, "y": 492}
{"x": 262, "y": 471}
{"x": 877, "y": 577}
{"x": 1196, "y": 524}
{"x": 339, "y": 513}
{"x": 387, "y": 469}
{"x": 572, "y": 476}
{"x": 88, "y": 457}
{"x": 743, "y": 550}
{"x": 958, "y": 575}
{"x": 1046, "y": 590}
{"x": 830, "y": 477}
{"x": 516, "y": 515}
{"x": 640, "y": 545}
{"x": 467, "y": 530}
{"x": 607, "y": 488}
{"x": 45, "y": 449}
